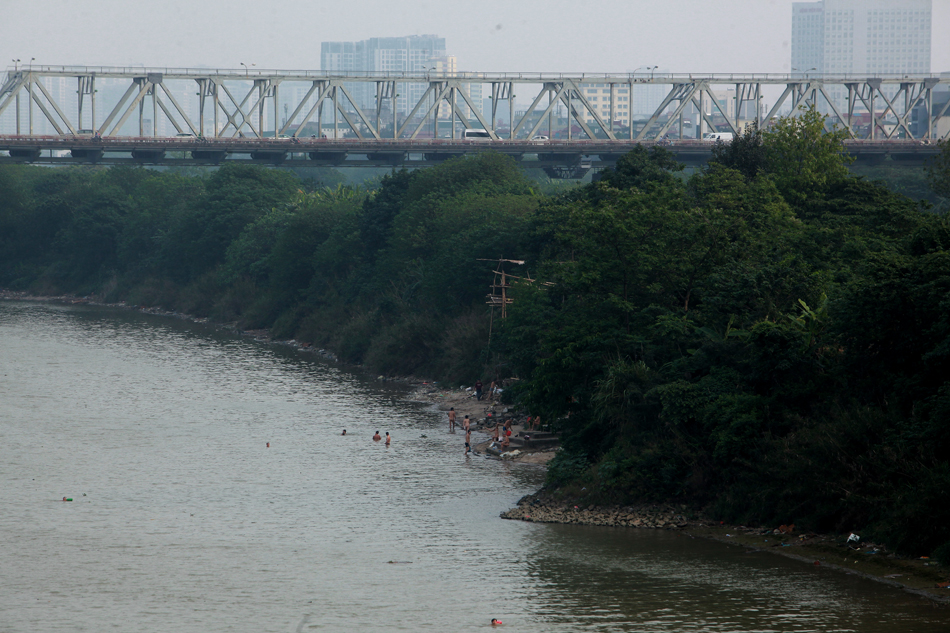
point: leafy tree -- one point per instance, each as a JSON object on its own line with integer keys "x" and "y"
{"x": 938, "y": 171}
{"x": 379, "y": 211}
{"x": 803, "y": 157}
{"x": 236, "y": 195}
{"x": 768, "y": 339}
{"x": 641, "y": 166}
{"x": 746, "y": 153}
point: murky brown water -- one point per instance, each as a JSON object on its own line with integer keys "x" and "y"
{"x": 189, "y": 523}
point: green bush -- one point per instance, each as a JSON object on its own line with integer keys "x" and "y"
{"x": 942, "y": 554}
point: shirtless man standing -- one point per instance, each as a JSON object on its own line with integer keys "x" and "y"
{"x": 466, "y": 424}
{"x": 388, "y": 438}
{"x": 468, "y": 441}
{"x": 376, "y": 437}
{"x": 452, "y": 420}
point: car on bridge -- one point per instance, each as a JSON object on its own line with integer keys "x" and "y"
{"x": 476, "y": 134}
{"x": 725, "y": 137}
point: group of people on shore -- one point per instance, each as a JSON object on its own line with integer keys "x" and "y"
{"x": 501, "y": 435}
{"x": 493, "y": 389}
{"x": 466, "y": 426}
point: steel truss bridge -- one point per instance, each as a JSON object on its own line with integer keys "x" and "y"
{"x": 223, "y": 115}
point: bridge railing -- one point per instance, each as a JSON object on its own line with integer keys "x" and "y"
{"x": 487, "y": 76}
{"x": 248, "y": 102}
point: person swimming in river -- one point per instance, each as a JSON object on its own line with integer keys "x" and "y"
{"x": 344, "y": 432}
{"x": 376, "y": 437}
{"x": 388, "y": 438}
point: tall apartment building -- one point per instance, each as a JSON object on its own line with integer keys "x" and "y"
{"x": 62, "y": 90}
{"x": 382, "y": 54}
{"x": 598, "y": 96}
{"x": 639, "y": 102}
{"x": 861, "y": 37}
{"x": 448, "y": 66}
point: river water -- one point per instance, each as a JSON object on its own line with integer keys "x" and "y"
{"x": 183, "y": 520}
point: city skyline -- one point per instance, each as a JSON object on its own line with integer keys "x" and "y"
{"x": 554, "y": 36}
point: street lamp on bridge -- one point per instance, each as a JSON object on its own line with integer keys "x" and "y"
{"x": 15, "y": 62}
{"x": 245, "y": 68}
{"x": 652, "y": 69}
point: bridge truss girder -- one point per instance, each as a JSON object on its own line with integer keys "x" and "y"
{"x": 238, "y": 101}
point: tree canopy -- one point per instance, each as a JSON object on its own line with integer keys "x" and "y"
{"x": 767, "y": 338}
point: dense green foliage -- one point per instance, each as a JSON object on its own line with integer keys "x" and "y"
{"x": 938, "y": 171}
{"x": 388, "y": 277}
{"x": 768, "y": 338}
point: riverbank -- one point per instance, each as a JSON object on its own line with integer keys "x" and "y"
{"x": 258, "y": 335}
{"x": 918, "y": 576}
{"x": 922, "y": 576}
{"x": 485, "y": 414}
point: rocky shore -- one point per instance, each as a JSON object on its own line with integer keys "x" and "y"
{"x": 484, "y": 414}
{"x": 539, "y": 508}
{"x": 917, "y": 576}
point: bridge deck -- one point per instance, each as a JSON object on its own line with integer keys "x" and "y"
{"x": 561, "y": 157}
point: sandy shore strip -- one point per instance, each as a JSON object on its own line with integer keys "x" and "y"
{"x": 484, "y": 415}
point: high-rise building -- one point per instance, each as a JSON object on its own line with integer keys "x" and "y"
{"x": 448, "y": 66}
{"x": 860, "y": 37}
{"x": 62, "y": 90}
{"x": 383, "y": 54}
{"x": 598, "y": 96}
{"x": 631, "y": 102}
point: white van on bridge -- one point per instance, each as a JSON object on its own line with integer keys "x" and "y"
{"x": 725, "y": 137}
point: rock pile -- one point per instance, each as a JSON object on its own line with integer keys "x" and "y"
{"x": 546, "y": 510}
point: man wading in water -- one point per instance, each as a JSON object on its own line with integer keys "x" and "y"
{"x": 452, "y": 420}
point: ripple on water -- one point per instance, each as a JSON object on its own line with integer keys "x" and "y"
{"x": 191, "y": 524}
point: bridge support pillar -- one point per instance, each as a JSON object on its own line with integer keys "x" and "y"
{"x": 275, "y": 158}
{"x": 90, "y": 155}
{"x": 28, "y": 155}
{"x": 148, "y": 155}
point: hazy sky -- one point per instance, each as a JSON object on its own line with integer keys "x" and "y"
{"x": 486, "y": 35}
